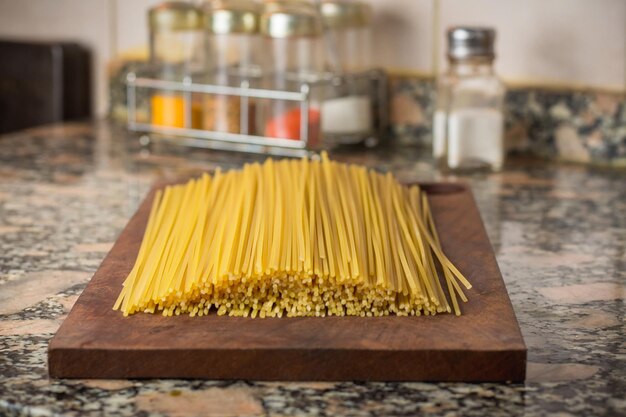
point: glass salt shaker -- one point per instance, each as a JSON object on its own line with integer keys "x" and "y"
{"x": 177, "y": 52}
{"x": 468, "y": 122}
{"x": 234, "y": 45}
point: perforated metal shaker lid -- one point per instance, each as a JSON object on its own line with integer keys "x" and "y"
{"x": 471, "y": 42}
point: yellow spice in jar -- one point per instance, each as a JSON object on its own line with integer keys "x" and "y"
{"x": 169, "y": 111}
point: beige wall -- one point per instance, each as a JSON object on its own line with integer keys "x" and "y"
{"x": 564, "y": 42}
{"x": 580, "y": 42}
{"x": 132, "y": 24}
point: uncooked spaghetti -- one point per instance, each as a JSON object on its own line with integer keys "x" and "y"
{"x": 292, "y": 238}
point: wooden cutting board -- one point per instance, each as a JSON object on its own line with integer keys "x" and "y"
{"x": 484, "y": 344}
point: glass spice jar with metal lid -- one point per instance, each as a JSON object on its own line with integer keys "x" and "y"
{"x": 292, "y": 36}
{"x": 232, "y": 28}
{"x": 468, "y": 122}
{"x": 347, "y": 110}
{"x": 348, "y": 26}
{"x": 177, "y": 52}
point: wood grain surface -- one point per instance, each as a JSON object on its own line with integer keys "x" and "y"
{"x": 484, "y": 344}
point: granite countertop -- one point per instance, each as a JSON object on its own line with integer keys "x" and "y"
{"x": 559, "y": 233}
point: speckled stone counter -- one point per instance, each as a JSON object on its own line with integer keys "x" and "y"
{"x": 559, "y": 233}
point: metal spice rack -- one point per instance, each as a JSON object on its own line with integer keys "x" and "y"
{"x": 245, "y": 142}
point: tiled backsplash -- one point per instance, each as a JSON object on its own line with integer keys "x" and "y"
{"x": 570, "y": 125}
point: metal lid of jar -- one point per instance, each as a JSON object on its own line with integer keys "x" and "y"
{"x": 307, "y": 5}
{"x": 471, "y": 42}
{"x": 175, "y": 15}
{"x": 342, "y": 13}
{"x": 232, "y": 16}
{"x": 285, "y": 19}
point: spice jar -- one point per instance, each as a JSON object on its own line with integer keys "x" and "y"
{"x": 468, "y": 121}
{"x": 347, "y": 110}
{"x": 292, "y": 36}
{"x": 177, "y": 51}
{"x": 348, "y": 27}
{"x": 232, "y": 28}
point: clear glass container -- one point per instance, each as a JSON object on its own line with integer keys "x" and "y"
{"x": 347, "y": 110}
{"x": 468, "y": 122}
{"x": 177, "y": 52}
{"x": 293, "y": 43}
{"x": 232, "y": 28}
{"x": 347, "y": 25}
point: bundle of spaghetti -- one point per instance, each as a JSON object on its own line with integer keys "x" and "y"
{"x": 292, "y": 238}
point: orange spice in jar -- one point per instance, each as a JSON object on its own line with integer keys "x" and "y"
{"x": 223, "y": 114}
{"x": 232, "y": 28}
